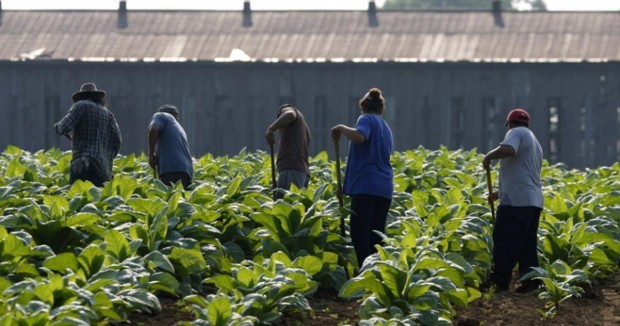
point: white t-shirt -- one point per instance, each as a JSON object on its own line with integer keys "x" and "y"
{"x": 519, "y": 175}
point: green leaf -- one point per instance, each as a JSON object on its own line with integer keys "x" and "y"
{"x": 61, "y": 262}
{"x": 281, "y": 257}
{"x": 82, "y": 219}
{"x": 271, "y": 223}
{"x": 173, "y": 201}
{"x": 91, "y": 259}
{"x": 15, "y": 169}
{"x": 420, "y": 201}
{"x": 311, "y": 264}
{"x": 458, "y": 296}
{"x": 58, "y": 205}
{"x": 13, "y": 150}
{"x": 163, "y": 282}
{"x": 415, "y": 291}
{"x": 233, "y": 186}
{"x": 393, "y": 278}
{"x": 245, "y": 276}
{"x": 104, "y": 307}
{"x": 138, "y": 232}
{"x": 556, "y": 204}
{"x": 140, "y": 299}
{"x": 117, "y": 245}
{"x": 364, "y": 283}
{"x": 150, "y": 206}
{"x": 79, "y": 187}
{"x": 159, "y": 228}
{"x": 322, "y": 157}
{"x": 160, "y": 260}
{"x": 303, "y": 285}
{"x": 219, "y": 311}
{"x": 14, "y": 247}
{"x": 4, "y": 284}
{"x": 190, "y": 261}
{"x": 222, "y": 282}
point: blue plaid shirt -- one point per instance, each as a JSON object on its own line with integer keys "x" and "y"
{"x": 94, "y": 133}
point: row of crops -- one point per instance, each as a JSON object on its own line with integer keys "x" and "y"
{"x": 81, "y": 255}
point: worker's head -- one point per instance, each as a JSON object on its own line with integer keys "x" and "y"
{"x": 372, "y": 102}
{"x": 282, "y": 107}
{"x": 170, "y": 109}
{"x": 89, "y": 91}
{"x": 518, "y": 118}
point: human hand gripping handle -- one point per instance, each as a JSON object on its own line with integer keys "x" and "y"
{"x": 270, "y": 137}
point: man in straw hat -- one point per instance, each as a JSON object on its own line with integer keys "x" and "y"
{"x": 168, "y": 148}
{"x": 520, "y": 202}
{"x": 94, "y": 134}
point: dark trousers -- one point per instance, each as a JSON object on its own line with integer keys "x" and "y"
{"x": 369, "y": 213}
{"x": 515, "y": 241}
{"x": 172, "y": 178}
{"x": 89, "y": 175}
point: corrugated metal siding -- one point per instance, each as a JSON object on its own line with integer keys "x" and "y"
{"x": 308, "y": 35}
{"x": 423, "y": 101}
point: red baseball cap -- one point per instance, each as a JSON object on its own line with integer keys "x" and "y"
{"x": 518, "y": 115}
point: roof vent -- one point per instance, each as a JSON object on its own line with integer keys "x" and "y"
{"x": 247, "y": 14}
{"x": 373, "y": 21}
{"x": 497, "y": 13}
{"x": 497, "y": 7}
{"x": 122, "y": 15}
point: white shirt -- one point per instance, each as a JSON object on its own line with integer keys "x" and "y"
{"x": 519, "y": 175}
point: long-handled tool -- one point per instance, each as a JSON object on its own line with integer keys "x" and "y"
{"x": 490, "y": 187}
{"x": 339, "y": 193}
{"x": 273, "y": 172}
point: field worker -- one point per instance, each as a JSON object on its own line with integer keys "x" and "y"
{"x": 520, "y": 201}
{"x": 168, "y": 147}
{"x": 293, "y": 146}
{"x": 94, "y": 134}
{"x": 369, "y": 176}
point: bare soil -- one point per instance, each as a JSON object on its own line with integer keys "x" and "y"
{"x": 598, "y": 306}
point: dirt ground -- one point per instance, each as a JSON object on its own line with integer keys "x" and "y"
{"x": 599, "y": 306}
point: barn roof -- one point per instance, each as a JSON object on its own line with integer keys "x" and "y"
{"x": 310, "y": 36}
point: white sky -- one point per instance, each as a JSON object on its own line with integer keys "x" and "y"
{"x": 613, "y": 5}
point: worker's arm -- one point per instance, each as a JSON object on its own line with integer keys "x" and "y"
{"x": 287, "y": 117}
{"x": 353, "y": 134}
{"x": 500, "y": 152}
{"x": 153, "y": 137}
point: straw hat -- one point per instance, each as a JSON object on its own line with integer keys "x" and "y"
{"x": 88, "y": 91}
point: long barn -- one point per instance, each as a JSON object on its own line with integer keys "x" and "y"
{"x": 449, "y": 77}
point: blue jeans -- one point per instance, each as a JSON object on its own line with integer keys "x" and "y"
{"x": 288, "y": 177}
{"x": 369, "y": 214}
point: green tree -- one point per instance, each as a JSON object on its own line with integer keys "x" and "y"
{"x": 460, "y": 4}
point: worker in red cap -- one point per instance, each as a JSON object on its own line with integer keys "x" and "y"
{"x": 520, "y": 202}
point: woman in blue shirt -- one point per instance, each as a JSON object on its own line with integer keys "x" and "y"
{"x": 369, "y": 176}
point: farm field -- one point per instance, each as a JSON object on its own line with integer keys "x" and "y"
{"x": 224, "y": 252}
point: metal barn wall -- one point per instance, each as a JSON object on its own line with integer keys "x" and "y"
{"x": 575, "y": 107}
